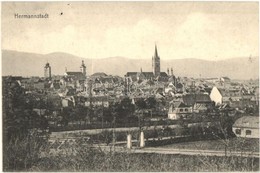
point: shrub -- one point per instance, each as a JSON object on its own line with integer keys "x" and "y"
{"x": 21, "y": 154}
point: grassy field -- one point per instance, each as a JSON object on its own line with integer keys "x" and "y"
{"x": 24, "y": 156}
{"x": 233, "y": 144}
{"x": 125, "y": 162}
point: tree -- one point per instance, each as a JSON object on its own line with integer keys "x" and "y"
{"x": 140, "y": 107}
{"x": 107, "y": 115}
{"x": 24, "y": 130}
{"x": 18, "y": 116}
{"x": 123, "y": 111}
{"x": 66, "y": 116}
{"x": 151, "y": 104}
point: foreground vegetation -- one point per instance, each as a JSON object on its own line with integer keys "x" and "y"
{"x": 32, "y": 155}
{"x": 233, "y": 144}
{"x": 101, "y": 162}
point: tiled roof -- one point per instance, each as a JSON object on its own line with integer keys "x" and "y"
{"x": 191, "y": 99}
{"x": 226, "y": 78}
{"x": 76, "y": 75}
{"x": 179, "y": 104}
{"x": 131, "y": 73}
{"x": 179, "y": 85}
{"x": 163, "y": 74}
{"x": 148, "y": 74}
{"x": 98, "y": 74}
{"x": 248, "y": 122}
{"x": 106, "y": 79}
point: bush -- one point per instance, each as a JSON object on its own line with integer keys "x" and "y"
{"x": 86, "y": 158}
{"x": 91, "y": 159}
{"x": 21, "y": 154}
{"x": 106, "y": 136}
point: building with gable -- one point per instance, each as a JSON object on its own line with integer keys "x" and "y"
{"x": 246, "y": 127}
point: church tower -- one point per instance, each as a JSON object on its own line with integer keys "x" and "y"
{"x": 47, "y": 71}
{"x": 83, "y": 69}
{"x": 156, "y": 63}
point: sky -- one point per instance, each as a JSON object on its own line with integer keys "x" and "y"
{"x": 202, "y": 30}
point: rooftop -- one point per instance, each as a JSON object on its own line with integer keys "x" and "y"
{"x": 247, "y": 122}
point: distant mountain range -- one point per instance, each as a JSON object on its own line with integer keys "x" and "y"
{"x": 32, "y": 64}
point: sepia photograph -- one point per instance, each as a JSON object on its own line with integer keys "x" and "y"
{"x": 144, "y": 86}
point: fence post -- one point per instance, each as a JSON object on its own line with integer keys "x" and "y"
{"x": 142, "y": 143}
{"x": 129, "y": 141}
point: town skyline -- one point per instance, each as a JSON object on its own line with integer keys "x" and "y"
{"x": 208, "y": 31}
{"x": 130, "y": 86}
{"x": 182, "y": 67}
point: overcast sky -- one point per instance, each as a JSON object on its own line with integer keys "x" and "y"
{"x": 204, "y": 30}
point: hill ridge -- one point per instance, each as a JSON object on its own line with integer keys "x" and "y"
{"x": 32, "y": 64}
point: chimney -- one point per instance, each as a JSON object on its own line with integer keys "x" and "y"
{"x": 171, "y": 71}
{"x": 168, "y": 72}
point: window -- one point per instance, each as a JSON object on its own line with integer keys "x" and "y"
{"x": 181, "y": 110}
{"x": 238, "y": 131}
{"x": 248, "y": 132}
{"x": 186, "y": 110}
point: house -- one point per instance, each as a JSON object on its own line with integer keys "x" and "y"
{"x": 216, "y": 96}
{"x": 246, "y": 127}
{"x": 55, "y": 86}
{"x": 39, "y": 111}
{"x": 199, "y": 102}
{"x": 211, "y": 80}
{"x": 39, "y": 85}
{"x": 136, "y": 76}
{"x": 179, "y": 88}
{"x": 191, "y": 99}
{"x": 98, "y": 74}
{"x": 170, "y": 88}
{"x": 68, "y": 102}
{"x": 235, "y": 97}
{"x": 178, "y": 110}
{"x": 97, "y": 101}
{"x": 70, "y": 91}
{"x": 225, "y": 80}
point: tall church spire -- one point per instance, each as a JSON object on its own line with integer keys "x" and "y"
{"x": 156, "y": 63}
{"x": 155, "y": 52}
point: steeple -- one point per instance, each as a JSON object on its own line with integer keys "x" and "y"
{"x": 83, "y": 68}
{"x": 82, "y": 64}
{"x": 47, "y": 71}
{"x": 155, "y": 52}
{"x": 156, "y": 63}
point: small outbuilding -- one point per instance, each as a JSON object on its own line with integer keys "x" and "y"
{"x": 247, "y": 127}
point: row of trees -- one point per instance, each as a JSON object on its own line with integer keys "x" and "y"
{"x": 122, "y": 112}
